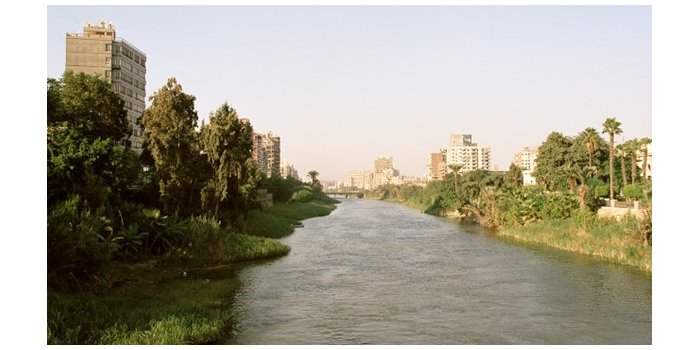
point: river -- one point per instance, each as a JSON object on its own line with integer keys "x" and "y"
{"x": 374, "y": 272}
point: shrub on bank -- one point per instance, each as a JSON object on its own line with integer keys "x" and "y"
{"x": 302, "y": 195}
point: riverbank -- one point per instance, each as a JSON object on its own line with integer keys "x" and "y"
{"x": 609, "y": 240}
{"x": 606, "y": 239}
{"x": 174, "y": 301}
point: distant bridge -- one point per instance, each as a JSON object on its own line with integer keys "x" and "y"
{"x": 345, "y": 194}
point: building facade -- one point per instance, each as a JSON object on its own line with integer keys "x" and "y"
{"x": 437, "y": 168}
{"x": 98, "y": 51}
{"x": 288, "y": 170}
{"x": 526, "y": 159}
{"x": 266, "y": 153}
{"x": 640, "y": 162}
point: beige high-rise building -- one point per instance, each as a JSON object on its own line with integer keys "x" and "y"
{"x": 383, "y": 163}
{"x": 98, "y": 51}
{"x": 526, "y": 160}
{"x": 437, "y": 168}
{"x": 266, "y": 153}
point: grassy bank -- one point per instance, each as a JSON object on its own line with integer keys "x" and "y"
{"x": 178, "y": 300}
{"x": 279, "y": 221}
{"x": 609, "y": 240}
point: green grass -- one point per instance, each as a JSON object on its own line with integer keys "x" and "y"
{"x": 147, "y": 304}
{"x": 606, "y": 239}
{"x": 279, "y": 221}
{"x": 153, "y": 309}
{"x": 241, "y": 247}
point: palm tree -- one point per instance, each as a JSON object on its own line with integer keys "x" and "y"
{"x": 612, "y": 127}
{"x": 313, "y": 174}
{"x": 632, "y": 149}
{"x": 590, "y": 139}
{"x": 622, "y": 151}
{"x": 455, "y": 171}
{"x": 643, "y": 143}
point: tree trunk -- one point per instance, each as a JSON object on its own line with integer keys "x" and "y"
{"x": 645, "y": 163}
{"x": 634, "y": 167}
{"x": 582, "y": 191}
{"x": 622, "y": 167}
{"x": 612, "y": 170}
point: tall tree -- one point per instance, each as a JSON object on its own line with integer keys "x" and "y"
{"x": 632, "y": 150}
{"x": 644, "y": 144}
{"x": 514, "y": 176}
{"x": 612, "y": 127}
{"x": 455, "y": 168}
{"x": 552, "y": 156}
{"x": 591, "y": 140}
{"x": 227, "y": 142}
{"x": 169, "y": 128}
{"x": 622, "y": 151}
{"x": 313, "y": 175}
{"x": 86, "y": 149}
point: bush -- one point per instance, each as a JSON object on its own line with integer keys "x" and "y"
{"x": 79, "y": 242}
{"x": 633, "y": 192}
{"x": 302, "y": 195}
{"x": 206, "y": 238}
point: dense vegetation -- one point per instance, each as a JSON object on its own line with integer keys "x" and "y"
{"x": 189, "y": 200}
{"x": 574, "y": 174}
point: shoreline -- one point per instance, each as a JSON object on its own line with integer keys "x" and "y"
{"x": 564, "y": 235}
{"x": 161, "y": 302}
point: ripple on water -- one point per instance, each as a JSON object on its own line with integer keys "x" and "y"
{"x": 379, "y": 273}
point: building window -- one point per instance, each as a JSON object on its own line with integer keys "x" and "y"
{"x": 108, "y": 74}
{"x": 108, "y": 47}
{"x": 108, "y": 60}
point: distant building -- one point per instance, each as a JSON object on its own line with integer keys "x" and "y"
{"x": 526, "y": 159}
{"x": 98, "y": 51}
{"x": 640, "y": 162}
{"x": 383, "y": 163}
{"x": 288, "y": 170}
{"x": 266, "y": 153}
{"x": 361, "y": 180}
{"x": 460, "y": 140}
{"x": 437, "y": 168}
{"x": 470, "y": 156}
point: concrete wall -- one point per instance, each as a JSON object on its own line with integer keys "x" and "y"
{"x": 610, "y": 212}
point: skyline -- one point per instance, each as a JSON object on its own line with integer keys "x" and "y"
{"x": 362, "y": 64}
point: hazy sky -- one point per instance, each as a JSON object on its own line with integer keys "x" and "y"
{"x": 344, "y": 85}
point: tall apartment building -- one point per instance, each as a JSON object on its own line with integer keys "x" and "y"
{"x": 98, "y": 51}
{"x": 383, "y": 163}
{"x": 288, "y": 170}
{"x": 470, "y": 156}
{"x": 526, "y": 159}
{"x": 266, "y": 153}
{"x": 437, "y": 168}
{"x": 460, "y": 140}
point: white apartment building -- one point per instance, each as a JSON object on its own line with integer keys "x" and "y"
{"x": 471, "y": 157}
{"x": 526, "y": 160}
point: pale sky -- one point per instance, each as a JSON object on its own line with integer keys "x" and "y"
{"x": 344, "y": 85}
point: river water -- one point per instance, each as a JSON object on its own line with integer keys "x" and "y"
{"x": 374, "y": 272}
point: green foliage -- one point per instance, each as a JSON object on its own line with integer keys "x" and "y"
{"x": 174, "y": 311}
{"x": 514, "y": 176}
{"x": 552, "y": 157}
{"x": 633, "y": 192}
{"x": 88, "y": 105}
{"x": 227, "y": 142}
{"x": 302, "y": 195}
{"x": 169, "y": 129}
{"x": 282, "y": 189}
{"x": 206, "y": 238}
{"x": 80, "y": 243}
